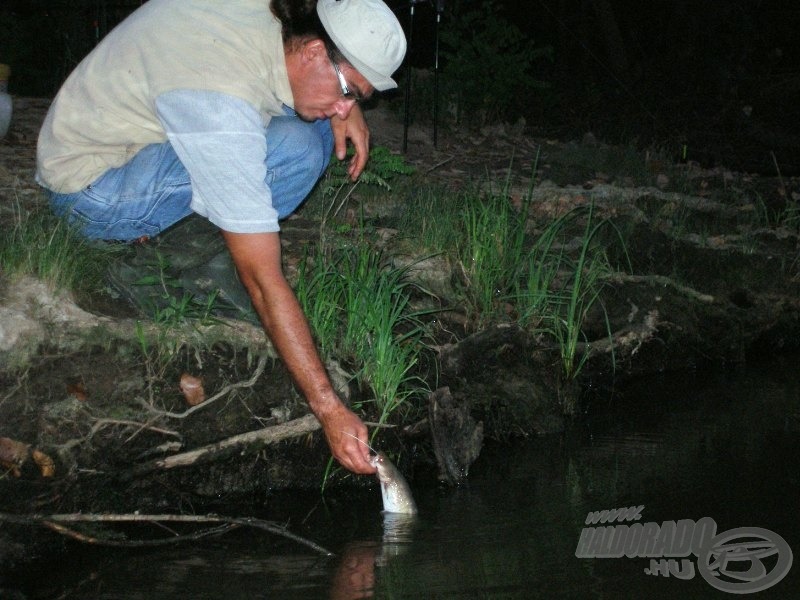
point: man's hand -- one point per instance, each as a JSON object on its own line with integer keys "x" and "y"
{"x": 354, "y": 128}
{"x": 347, "y": 438}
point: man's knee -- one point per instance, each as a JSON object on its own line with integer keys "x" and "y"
{"x": 299, "y": 147}
{"x": 316, "y": 152}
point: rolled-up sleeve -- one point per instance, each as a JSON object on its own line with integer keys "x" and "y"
{"x": 221, "y": 141}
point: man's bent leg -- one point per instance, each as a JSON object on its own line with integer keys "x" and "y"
{"x": 153, "y": 191}
{"x": 139, "y": 199}
{"x": 297, "y": 155}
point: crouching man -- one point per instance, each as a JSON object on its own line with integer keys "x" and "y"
{"x": 229, "y": 110}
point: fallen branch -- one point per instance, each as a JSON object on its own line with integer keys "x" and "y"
{"x": 255, "y": 440}
{"x": 55, "y": 523}
{"x": 88, "y": 539}
{"x": 262, "y": 363}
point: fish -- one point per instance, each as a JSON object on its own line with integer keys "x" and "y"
{"x": 395, "y": 491}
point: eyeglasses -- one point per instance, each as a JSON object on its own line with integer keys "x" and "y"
{"x": 346, "y": 92}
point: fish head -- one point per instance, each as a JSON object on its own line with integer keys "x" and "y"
{"x": 381, "y": 463}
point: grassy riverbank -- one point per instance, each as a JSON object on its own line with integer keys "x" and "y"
{"x": 368, "y": 312}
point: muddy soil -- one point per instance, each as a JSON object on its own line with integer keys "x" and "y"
{"x": 713, "y": 278}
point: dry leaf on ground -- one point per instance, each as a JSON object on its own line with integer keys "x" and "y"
{"x": 13, "y": 454}
{"x": 192, "y": 389}
{"x": 45, "y": 463}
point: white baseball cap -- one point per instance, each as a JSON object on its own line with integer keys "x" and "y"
{"x": 369, "y": 36}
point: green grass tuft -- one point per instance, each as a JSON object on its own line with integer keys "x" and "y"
{"x": 359, "y": 310}
{"x": 44, "y": 246}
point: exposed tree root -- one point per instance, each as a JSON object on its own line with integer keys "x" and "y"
{"x": 262, "y": 363}
{"x": 664, "y": 282}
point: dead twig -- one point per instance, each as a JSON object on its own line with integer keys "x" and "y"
{"x": 262, "y": 363}
{"x": 439, "y": 164}
{"x": 780, "y": 177}
{"x": 56, "y": 523}
{"x": 380, "y": 425}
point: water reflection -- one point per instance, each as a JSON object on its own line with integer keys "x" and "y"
{"x": 354, "y": 576}
{"x": 398, "y": 533}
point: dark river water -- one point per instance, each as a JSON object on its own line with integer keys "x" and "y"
{"x": 708, "y": 461}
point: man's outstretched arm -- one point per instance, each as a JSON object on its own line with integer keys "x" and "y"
{"x": 257, "y": 257}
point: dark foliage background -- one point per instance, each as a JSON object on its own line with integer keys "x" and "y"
{"x": 722, "y": 77}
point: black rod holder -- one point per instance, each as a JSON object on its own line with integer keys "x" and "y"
{"x": 438, "y": 6}
{"x": 407, "y": 116}
{"x": 436, "y": 77}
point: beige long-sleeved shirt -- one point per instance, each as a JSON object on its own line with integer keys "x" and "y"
{"x": 105, "y": 111}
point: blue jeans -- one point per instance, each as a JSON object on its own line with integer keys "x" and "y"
{"x": 152, "y": 191}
